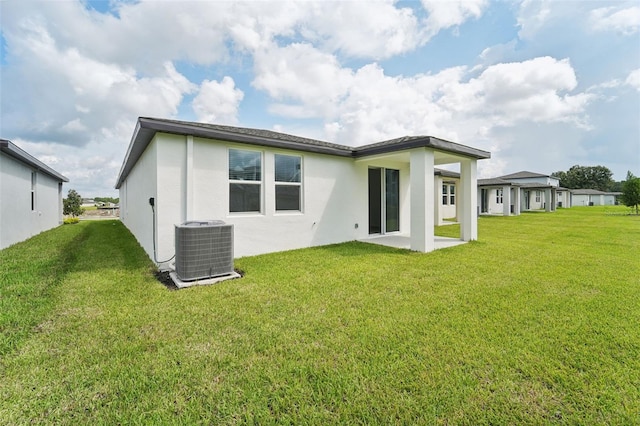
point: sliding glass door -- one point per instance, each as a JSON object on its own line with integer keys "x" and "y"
{"x": 384, "y": 200}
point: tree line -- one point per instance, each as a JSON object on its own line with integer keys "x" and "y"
{"x": 600, "y": 178}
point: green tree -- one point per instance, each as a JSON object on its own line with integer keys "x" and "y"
{"x": 631, "y": 192}
{"x": 106, "y": 200}
{"x": 586, "y": 177}
{"x": 72, "y": 205}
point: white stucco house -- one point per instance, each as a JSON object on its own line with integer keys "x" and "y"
{"x": 446, "y": 202}
{"x": 522, "y": 191}
{"x": 593, "y": 197}
{"x": 285, "y": 192}
{"x": 30, "y": 195}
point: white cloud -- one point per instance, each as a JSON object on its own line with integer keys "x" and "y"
{"x": 379, "y": 30}
{"x": 218, "y": 102}
{"x": 366, "y": 105}
{"x": 532, "y": 16}
{"x": 69, "y": 97}
{"x": 303, "y": 74}
{"x": 533, "y": 90}
{"x": 447, "y": 14}
{"x": 633, "y": 79}
{"x": 625, "y": 21}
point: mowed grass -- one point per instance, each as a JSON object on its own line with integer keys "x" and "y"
{"x": 538, "y": 322}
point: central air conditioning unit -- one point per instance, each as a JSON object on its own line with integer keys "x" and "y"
{"x": 204, "y": 249}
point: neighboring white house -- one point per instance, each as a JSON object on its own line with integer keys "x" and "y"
{"x": 446, "y": 190}
{"x": 30, "y": 195}
{"x": 522, "y": 191}
{"x": 498, "y": 197}
{"x": 285, "y": 192}
{"x": 593, "y": 197}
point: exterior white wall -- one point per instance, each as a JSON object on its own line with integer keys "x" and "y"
{"x": 536, "y": 199}
{"x": 17, "y": 220}
{"x": 596, "y": 199}
{"x": 135, "y": 211}
{"x": 510, "y": 200}
{"x": 494, "y": 207}
{"x": 334, "y": 198}
{"x": 564, "y": 197}
{"x": 580, "y": 200}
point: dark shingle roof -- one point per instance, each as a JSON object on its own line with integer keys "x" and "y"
{"x": 592, "y": 192}
{"x": 496, "y": 182}
{"x": 146, "y": 129}
{"x": 13, "y": 151}
{"x": 445, "y": 173}
{"x": 523, "y": 175}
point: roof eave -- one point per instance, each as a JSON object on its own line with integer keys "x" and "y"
{"x": 423, "y": 142}
{"x": 146, "y": 128}
{"x": 15, "y": 152}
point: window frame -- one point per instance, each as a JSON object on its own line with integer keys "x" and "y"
{"x": 445, "y": 194}
{"x": 452, "y": 194}
{"x": 282, "y": 183}
{"x": 259, "y": 183}
{"x": 499, "y": 196}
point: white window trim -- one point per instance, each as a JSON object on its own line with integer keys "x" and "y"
{"x": 279, "y": 183}
{"x": 243, "y": 182}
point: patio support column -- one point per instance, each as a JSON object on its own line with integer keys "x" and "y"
{"x": 469, "y": 200}
{"x": 422, "y": 195}
{"x": 506, "y": 200}
{"x": 547, "y": 200}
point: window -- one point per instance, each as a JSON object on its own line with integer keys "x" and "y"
{"x": 33, "y": 191}
{"x": 445, "y": 198}
{"x": 499, "y": 195}
{"x": 245, "y": 181}
{"x": 537, "y": 196}
{"x": 452, "y": 194}
{"x": 288, "y": 182}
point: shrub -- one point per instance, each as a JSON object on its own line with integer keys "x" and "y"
{"x": 71, "y": 220}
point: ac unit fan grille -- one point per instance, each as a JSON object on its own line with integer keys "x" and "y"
{"x": 203, "y": 251}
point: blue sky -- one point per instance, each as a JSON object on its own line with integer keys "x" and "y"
{"x": 543, "y": 85}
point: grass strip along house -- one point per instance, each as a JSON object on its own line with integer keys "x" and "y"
{"x": 283, "y": 192}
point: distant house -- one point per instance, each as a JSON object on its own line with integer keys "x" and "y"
{"x": 446, "y": 204}
{"x": 284, "y": 192}
{"x": 498, "y": 196}
{"x": 30, "y": 195}
{"x": 522, "y": 191}
{"x": 593, "y": 197}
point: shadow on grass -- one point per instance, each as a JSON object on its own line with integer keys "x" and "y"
{"x": 31, "y": 271}
{"x": 359, "y": 249}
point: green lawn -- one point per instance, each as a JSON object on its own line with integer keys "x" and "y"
{"x": 537, "y": 322}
